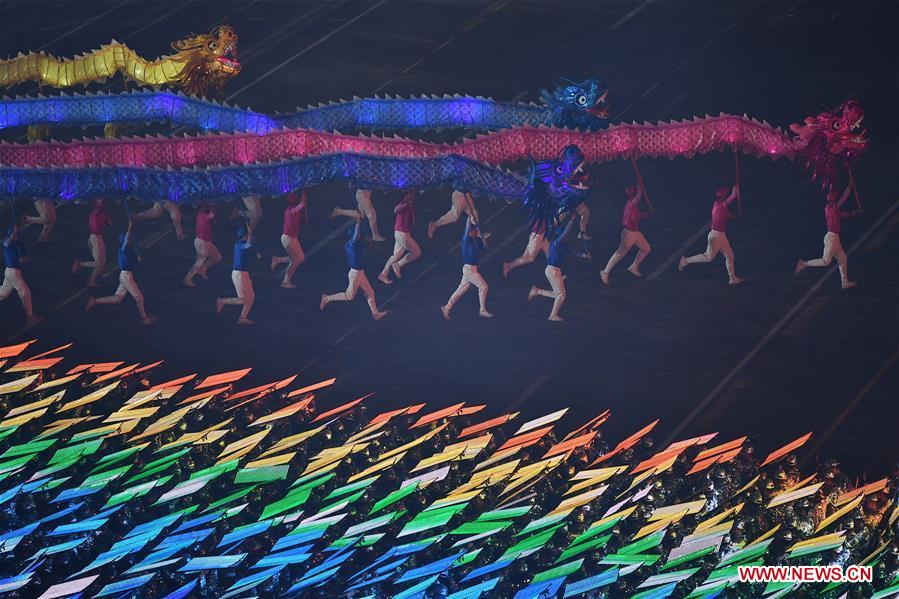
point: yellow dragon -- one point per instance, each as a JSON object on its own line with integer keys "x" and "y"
{"x": 201, "y": 66}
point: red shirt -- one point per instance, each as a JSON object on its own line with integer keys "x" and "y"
{"x": 833, "y": 216}
{"x": 632, "y": 216}
{"x": 292, "y": 216}
{"x": 97, "y": 220}
{"x": 405, "y": 217}
{"x": 720, "y": 215}
{"x": 205, "y": 218}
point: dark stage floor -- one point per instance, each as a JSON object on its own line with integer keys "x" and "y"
{"x": 776, "y": 357}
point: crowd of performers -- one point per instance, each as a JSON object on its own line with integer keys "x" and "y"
{"x": 553, "y": 238}
{"x": 206, "y": 486}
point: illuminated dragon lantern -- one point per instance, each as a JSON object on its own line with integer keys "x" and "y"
{"x": 201, "y": 65}
{"x": 831, "y": 139}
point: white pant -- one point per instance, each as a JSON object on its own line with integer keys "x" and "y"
{"x": 243, "y": 286}
{"x": 293, "y": 248}
{"x": 98, "y": 252}
{"x": 557, "y": 282}
{"x": 629, "y": 239}
{"x": 207, "y": 256}
{"x": 127, "y": 286}
{"x": 717, "y": 242}
{"x": 356, "y": 280}
{"x": 470, "y": 276}
{"x": 536, "y": 243}
{"x": 405, "y": 250}
{"x": 12, "y": 280}
{"x": 462, "y": 204}
{"x": 833, "y": 248}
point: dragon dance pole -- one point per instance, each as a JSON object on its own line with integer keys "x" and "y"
{"x": 737, "y": 169}
{"x": 858, "y": 201}
{"x": 640, "y": 182}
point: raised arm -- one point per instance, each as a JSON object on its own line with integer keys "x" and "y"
{"x": 845, "y": 195}
{"x": 733, "y": 195}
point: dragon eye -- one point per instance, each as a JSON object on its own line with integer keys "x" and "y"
{"x": 837, "y": 125}
{"x": 559, "y": 170}
{"x": 581, "y": 100}
{"x": 213, "y": 45}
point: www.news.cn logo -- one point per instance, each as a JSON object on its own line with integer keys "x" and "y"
{"x": 805, "y": 574}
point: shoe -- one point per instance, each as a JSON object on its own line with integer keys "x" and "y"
{"x": 604, "y": 276}
{"x": 379, "y": 315}
{"x": 446, "y": 312}
{"x": 385, "y": 278}
{"x": 146, "y": 320}
{"x": 396, "y": 270}
{"x": 335, "y": 213}
{"x": 91, "y": 302}
{"x": 506, "y": 269}
{"x": 800, "y": 266}
{"x": 735, "y": 281}
{"x": 203, "y": 275}
{"x": 187, "y": 282}
{"x": 288, "y": 285}
{"x": 485, "y": 314}
{"x": 431, "y": 229}
{"x": 32, "y": 320}
{"x": 849, "y": 284}
{"x": 76, "y": 265}
{"x": 323, "y": 303}
{"x": 274, "y": 263}
{"x": 634, "y": 272}
{"x": 219, "y": 306}
{"x": 378, "y": 238}
{"x": 556, "y": 318}
{"x": 532, "y": 293}
{"x": 91, "y": 285}
{"x": 182, "y": 237}
{"x": 682, "y": 264}
{"x": 245, "y": 321}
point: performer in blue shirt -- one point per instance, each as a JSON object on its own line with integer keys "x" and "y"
{"x": 129, "y": 259}
{"x": 240, "y": 276}
{"x": 14, "y": 255}
{"x": 472, "y": 246}
{"x": 558, "y": 250}
{"x": 355, "y": 253}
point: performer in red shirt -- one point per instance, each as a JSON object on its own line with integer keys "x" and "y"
{"x": 630, "y": 233}
{"x": 718, "y": 241}
{"x": 97, "y": 221}
{"x": 405, "y": 248}
{"x": 833, "y": 248}
{"x": 208, "y": 255}
{"x": 290, "y": 238}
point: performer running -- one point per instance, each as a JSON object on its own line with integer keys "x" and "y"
{"x": 833, "y": 248}
{"x": 630, "y": 233}
{"x": 405, "y": 248}
{"x": 240, "y": 277}
{"x": 364, "y": 208}
{"x": 462, "y": 203}
{"x": 158, "y": 209}
{"x": 536, "y": 243}
{"x": 129, "y": 258}
{"x": 718, "y": 241}
{"x": 558, "y": 250}
{"x": 14, "y": 255}
{"x": 472, "y": 246}
{"x": 355, "y": 253}
{"x": 290, "y": 238}
{"x": 46, "y": 217}
{"x": 97, "y": 221}
{"x": 208, "y": 255}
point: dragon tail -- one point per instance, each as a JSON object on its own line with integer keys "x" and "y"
{"x": 94, "y": 67}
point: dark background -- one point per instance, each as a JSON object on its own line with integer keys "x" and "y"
{"x": 775, "y": 358}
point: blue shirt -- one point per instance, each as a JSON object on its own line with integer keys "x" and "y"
{"x": 558, "y": 249}
{"x": 355, "y": 252}
{"x": 13, "y": 253}
{"x": 241, "y": 254}
{"x": 471, "y": 250}
{"x": 128, "y": 257}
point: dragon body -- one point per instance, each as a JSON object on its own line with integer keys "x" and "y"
{"x": 201, "y": 65}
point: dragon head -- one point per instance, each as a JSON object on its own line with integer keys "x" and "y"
{"x": 832, "y": 138}
{"x": 556, "y": 186}
{"x": 578, "y": 105}
{"x": 210, "y": 60}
